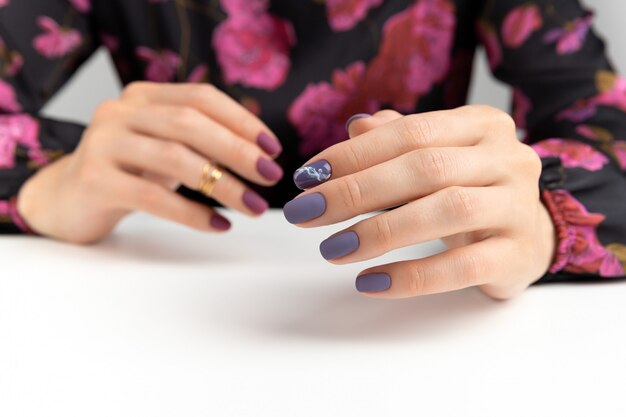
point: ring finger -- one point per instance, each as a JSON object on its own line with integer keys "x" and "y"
{"x": 176, "y": 161}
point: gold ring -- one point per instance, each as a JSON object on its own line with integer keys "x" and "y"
{"x": 211, "y": 174}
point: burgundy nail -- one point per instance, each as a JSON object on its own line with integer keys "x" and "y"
{"x": 219, "y": 223}
{"x": 254, "y": 202}
{"x": 269, "y": 169}
{"x": 270, "y": 145}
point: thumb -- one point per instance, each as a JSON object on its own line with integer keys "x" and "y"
{"x": 362, "y": 123}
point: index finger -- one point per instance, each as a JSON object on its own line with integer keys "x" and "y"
{"x": 465, "y": 126}
{"x": 213, "y": 103}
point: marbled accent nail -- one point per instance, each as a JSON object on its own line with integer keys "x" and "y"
{"x": 254, "y": 202}
{"x": 307, "y": 207}
{"x": 313, "y": 174}
{"x": 269, "y": 144}
{"x": 219, "y": 223}
{"x": 269, "y": 169}
{"x": 373, "y": 282}
{"x": 353, "y": 118}
{"x": 339, "y": 245}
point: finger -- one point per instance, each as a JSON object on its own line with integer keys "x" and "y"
{"x": 444, "y": 213}
{"x": 211, "y": 102}
{"x": 361, "y": 123}
{"x": 174, "y": 160}
{"x": 455, "y": 269}
{"x": 209, "y": 138}
{"x": 389, "y": 184}
{"x": 465, "y": 126}
{"x": 142, "y": 195}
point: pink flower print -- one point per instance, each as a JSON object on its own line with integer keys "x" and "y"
{"x": 83, "y": 6}
{"x": 13, "y": 60}
{"x": 198, "y": 74}
{"x": 415, "y": 48}
{"x": 254, "y": 51}
{"x": 573, "y": 154}
{"x": 570, "y": 38}
{"x": 161, "y": 66}
{"x": 579, "y": 112}
{"x": 314, "y": 115}
{"x": 112, "y": 43}
{"x": 4, "y": 3}
{"x": 244, "y": 7}
{"x": 21, "y": 130}
{"x": 522, "y": 106}
{"x": 320, "y": 111}
{"x": 8, "y": 98}
{"x": 56, "y": 41}
{"x": 615, "y": 93}
{"x": 579, "y": 249}
{"x": 343, "y": 15}
{"x": 619, "y": 148}
{"x": 519, "y": 24}
{"x": 489, "y": 38}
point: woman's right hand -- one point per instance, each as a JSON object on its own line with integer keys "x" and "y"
{"x": 139, "y": 149}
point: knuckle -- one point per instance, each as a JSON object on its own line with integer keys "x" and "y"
{"x": 184, "y": 118}
{"x": 134, "y": 89}
{"x": 437, "y": 165}
{"x": 107, "y": 109}
{"x": 384, "y": 234}
{"x": 417, "y": 130}
{"x": 351, "y": 192}
{"x": 172, "y": 154}
{"x": 473, "y": 268}
{"x": 532, "y": 162}
{"x": 462, "y": 204}
{"x": 238, "y": 149}
{"x": 149, "y": 194}
{"x": 416, "y": 279}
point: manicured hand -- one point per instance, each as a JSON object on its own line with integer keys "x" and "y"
{"x": 460, "y": 175}
{"x": 139, "y": 149}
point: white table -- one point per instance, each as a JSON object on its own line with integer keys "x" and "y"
{"x": 159, "y": 320}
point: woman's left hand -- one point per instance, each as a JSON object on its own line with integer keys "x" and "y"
{"x": 460, "y": 175}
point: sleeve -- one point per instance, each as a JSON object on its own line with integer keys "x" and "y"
{"x": 42, "y": 43}
{"x": 572, "y": 106}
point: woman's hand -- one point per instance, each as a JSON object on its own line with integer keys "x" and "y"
{"x": 139, "y": 149}
{"x": 461, "y": 175}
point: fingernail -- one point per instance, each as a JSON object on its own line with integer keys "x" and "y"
{"x": 305, "y": 208}
{"x": 254, "y": 202}
{"x": 269, "y": 169}
{"x": 269, "y": 144}
{"x": 356, "y": 116}
{"x": 339, "y": 245}
{"x": 373, "y": 283}
{"x": 219, "y": 223}
{"x": 313, "y": 174}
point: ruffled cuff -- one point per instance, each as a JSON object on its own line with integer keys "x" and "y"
{"x": 579, "y": 250}
{"x": 9, "y": 214}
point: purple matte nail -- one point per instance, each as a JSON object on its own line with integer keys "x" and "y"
{"x": 254, "y": 202}
{"x": 313, "y": 174}
{"x": 269, "y": 169}
{"x": 270, "y": 145}
{"x": 353, "y": 118}
{"x": 339, "y": 245}
{"x": 373, "y": 282}
{"x": 305, "y": 208}
{"x": 219, "y": 223}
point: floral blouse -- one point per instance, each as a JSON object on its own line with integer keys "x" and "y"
{"x": 305, "y": 66}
